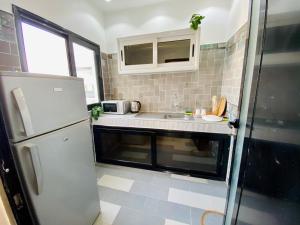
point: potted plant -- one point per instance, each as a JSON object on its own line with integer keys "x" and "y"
{"x": 96, "y": 112}
{"x": 196, "y": 20}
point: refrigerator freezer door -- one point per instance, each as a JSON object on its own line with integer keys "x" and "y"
{"x": 59, "y": 177}
{"x": 34, "y": 104}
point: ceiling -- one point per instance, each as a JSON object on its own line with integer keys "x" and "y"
{"x": 116, "y": 5}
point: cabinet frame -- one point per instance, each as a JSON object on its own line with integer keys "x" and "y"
{"x": 155, "y": 67}
{"x": 222, "y": 159}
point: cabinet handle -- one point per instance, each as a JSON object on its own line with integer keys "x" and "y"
{"x": 193, "y": 50}
{"x": 121, "y": 55}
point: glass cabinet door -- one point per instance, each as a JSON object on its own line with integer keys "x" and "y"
{"x": 173, "y": 51}
{"x": 138, "y": 54}
{"x": 169, "y": 51}
{"x": 190, "y": 152}
{"x": 120, "y": 145}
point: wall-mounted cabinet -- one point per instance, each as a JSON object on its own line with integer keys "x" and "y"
{"x": 160, "y": 52}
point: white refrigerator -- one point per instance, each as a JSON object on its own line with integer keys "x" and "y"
{"x": 48, "y": 127}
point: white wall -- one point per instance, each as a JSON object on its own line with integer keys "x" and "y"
{"x": 170, "y": 15}
{"x": 79, "y": 16}
{"x": 238, "y": 16}
{"x": 223, "y": 18}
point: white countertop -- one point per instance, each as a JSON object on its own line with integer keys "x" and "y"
{"x": 177, "y": 124}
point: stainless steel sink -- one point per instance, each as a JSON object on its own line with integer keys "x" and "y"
{"x": 149, "y": 115}
{"x": 160, "y": 115}
{"x": 174, "y": 116}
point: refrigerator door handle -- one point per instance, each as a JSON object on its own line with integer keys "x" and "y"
{"x": 36, "y": 164}
{"x": 24, "y": 111}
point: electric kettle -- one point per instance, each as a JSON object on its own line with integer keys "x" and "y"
{"x": 135, "y": 106}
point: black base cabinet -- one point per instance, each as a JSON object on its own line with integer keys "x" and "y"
{"x": 197, "y": 154}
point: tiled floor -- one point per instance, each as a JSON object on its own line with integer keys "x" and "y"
{"x": 141, "y": 197}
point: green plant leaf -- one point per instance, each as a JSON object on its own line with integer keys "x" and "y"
{"x": 195, "y": 20}
{"x": 96, "y": 112}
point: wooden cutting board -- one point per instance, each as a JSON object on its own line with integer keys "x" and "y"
{"x": 222, "y": 106}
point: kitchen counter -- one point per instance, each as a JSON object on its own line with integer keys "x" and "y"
{"x": 157, "y": 122}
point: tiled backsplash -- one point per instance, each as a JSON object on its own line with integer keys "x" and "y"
{"x": 219, "y": 73}
{"x": 9, "y": 55}
{"x": 233, "y": 67}
{"x": 168, "y": 92}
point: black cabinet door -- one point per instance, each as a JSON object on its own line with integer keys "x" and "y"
{"x": 193, "y": 152}
{"x": 124, "y": 145}
{"x": 197, "y": 154}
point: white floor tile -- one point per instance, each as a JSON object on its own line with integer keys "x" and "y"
{"x": 109, "y": 213}
{"x": 173, "y": 222}
{"x": 196, "y": 200}
{"x": 117, "y": 183}
{"x": 192, "y": 179}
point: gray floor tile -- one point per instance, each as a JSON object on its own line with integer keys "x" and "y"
{"x": 167, "y": 181}
{"x": 161, "y": 181}
{"x": 139, "y": 176}
{"x": 209, "y": 189}
{"x": 128, "y": 216}
{"x": 180, "y": 184}
{"x": 150, "y": 190}
{"x": 212, "y": 219}
{"x": 126, "y": 199}
{"x": 146, "y": 203}
{"x": 168, "y": 210}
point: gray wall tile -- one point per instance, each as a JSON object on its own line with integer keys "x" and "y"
{"x": 233, "y": 67}
{"x": 9, "y": 55}
{"x": 168, "y": 92}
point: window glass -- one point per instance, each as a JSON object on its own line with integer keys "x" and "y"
{"x": 45, "y": 52}
{"x": 86, "y": 68}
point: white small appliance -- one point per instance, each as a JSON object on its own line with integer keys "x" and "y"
{"x": 116, "y": 106}
{"x": 135, "y": 106}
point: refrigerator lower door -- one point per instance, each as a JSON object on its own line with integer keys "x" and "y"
{"x": 58, "y": 174}
{"x": 34, "y": 104}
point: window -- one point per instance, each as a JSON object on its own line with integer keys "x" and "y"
{"x": 86, "y": 68}
{"x": 48, "y": 48}
{"x": 45, "y": 52}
